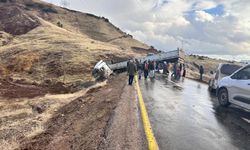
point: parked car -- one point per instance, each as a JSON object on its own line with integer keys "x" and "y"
{"x": 235, "y": 88}
{"x": 222, "y": 71}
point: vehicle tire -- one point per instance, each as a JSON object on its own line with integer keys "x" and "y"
{"x": 210, "y": 89}
{"x": 223, "y": 97}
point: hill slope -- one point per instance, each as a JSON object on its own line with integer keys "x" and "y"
{"x": 40, "y": 41}
{"x": 194, "y": 61}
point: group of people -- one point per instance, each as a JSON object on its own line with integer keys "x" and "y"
{"x": 178, "y": 71}
{"x": 147, "y": 68}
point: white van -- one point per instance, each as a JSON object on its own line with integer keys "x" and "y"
{"x": 235, "y": 88}
{"x": 222, "y": 71}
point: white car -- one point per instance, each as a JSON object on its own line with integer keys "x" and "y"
{"x": 222, "y": 71}
{"x": 235, "y": 88}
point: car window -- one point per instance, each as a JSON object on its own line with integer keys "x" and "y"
{"x": 243, "y": 74}
{"x": 228, "y": 69}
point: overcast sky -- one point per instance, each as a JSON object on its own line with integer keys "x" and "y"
{"x": 207, "y": 27}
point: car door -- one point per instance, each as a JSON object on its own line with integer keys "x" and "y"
{"x": 239, "y": 92}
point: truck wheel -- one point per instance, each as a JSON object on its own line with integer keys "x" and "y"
{"x": 223, "y": 97}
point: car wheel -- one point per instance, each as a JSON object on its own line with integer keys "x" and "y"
{"x": 223, "y": 97}
{"x": 210, "y": 89}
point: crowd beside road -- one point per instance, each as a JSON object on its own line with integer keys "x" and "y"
{"x": 148, "y": 69}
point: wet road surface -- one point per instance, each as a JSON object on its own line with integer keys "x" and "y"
{"x": 185, "y": 116}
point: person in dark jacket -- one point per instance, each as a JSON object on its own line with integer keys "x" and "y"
{"x": 184, "y": 71}
{"x": 201, "y": 72}
{"x": 145, "y": 68}
{"x": 151, "y": 69}
{"x": 132, "y": 69}
{"x": 174, "y": 74}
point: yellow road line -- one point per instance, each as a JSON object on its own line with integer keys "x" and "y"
{"x": 152, "y": 144}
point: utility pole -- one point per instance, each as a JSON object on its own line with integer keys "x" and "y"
{"x": 64, "y": 3}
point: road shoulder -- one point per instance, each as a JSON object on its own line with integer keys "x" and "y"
{"x": 126, "y": 130}
{"x": 104, "y": 118}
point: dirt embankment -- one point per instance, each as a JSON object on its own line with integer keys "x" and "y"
{"x": 105, "y": 118}
{"x": 15, "y": 21}
{"x": 14, "y": 89}
{"x": 10, "y": 90}
{"x": 193, "y": 63}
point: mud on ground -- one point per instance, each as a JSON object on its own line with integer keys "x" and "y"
{"x": 10, "y": 90}
{"x": 104, "y": 118}
{"x": 25, "y": 110}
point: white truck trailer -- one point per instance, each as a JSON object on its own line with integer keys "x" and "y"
{"x": 103, "y": 70}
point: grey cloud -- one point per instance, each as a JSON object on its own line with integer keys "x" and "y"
{"x": 165, "y": 24}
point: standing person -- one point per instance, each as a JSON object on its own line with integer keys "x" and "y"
{"x": 145, "y": 68}
{"x": 201, "y": 72}
{"x": 131, "y": 71}
{"x": 155, "y": 65}
{"x": 178, "y": 73}
{"x": 168, "y": 66}
{"x": 139, "y": 68}
{"x": 184, "y": 71}
{"x": 181, "y": 66}
{"x": 137, "y": 63}
{"x": 174, "y": 70}
{"x": 151, "y": 69}
{"x": 165, "y": 67}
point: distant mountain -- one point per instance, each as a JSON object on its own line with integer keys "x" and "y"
{"x": 41, "y": 41}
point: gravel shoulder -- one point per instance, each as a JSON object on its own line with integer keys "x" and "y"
{"x": 126, "y": 130}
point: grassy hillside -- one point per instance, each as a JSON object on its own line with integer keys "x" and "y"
{"x": 40, "y": 41}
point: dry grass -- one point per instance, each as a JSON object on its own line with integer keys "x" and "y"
{"x": 18, "y": 121}
{"x": 9, "y": 112}
{"x": 9, "y": 145}
{"x": 74, "y": 53}
{"x": 52, "y": 52}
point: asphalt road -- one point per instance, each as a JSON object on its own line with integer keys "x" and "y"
{"x": 185, "y": 116}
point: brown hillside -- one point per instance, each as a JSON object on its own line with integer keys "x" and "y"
{"x": 15, "y": 21}
{"x": 40, "y": 41}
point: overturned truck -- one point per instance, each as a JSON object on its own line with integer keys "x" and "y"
{"x": 104, "y": 70}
